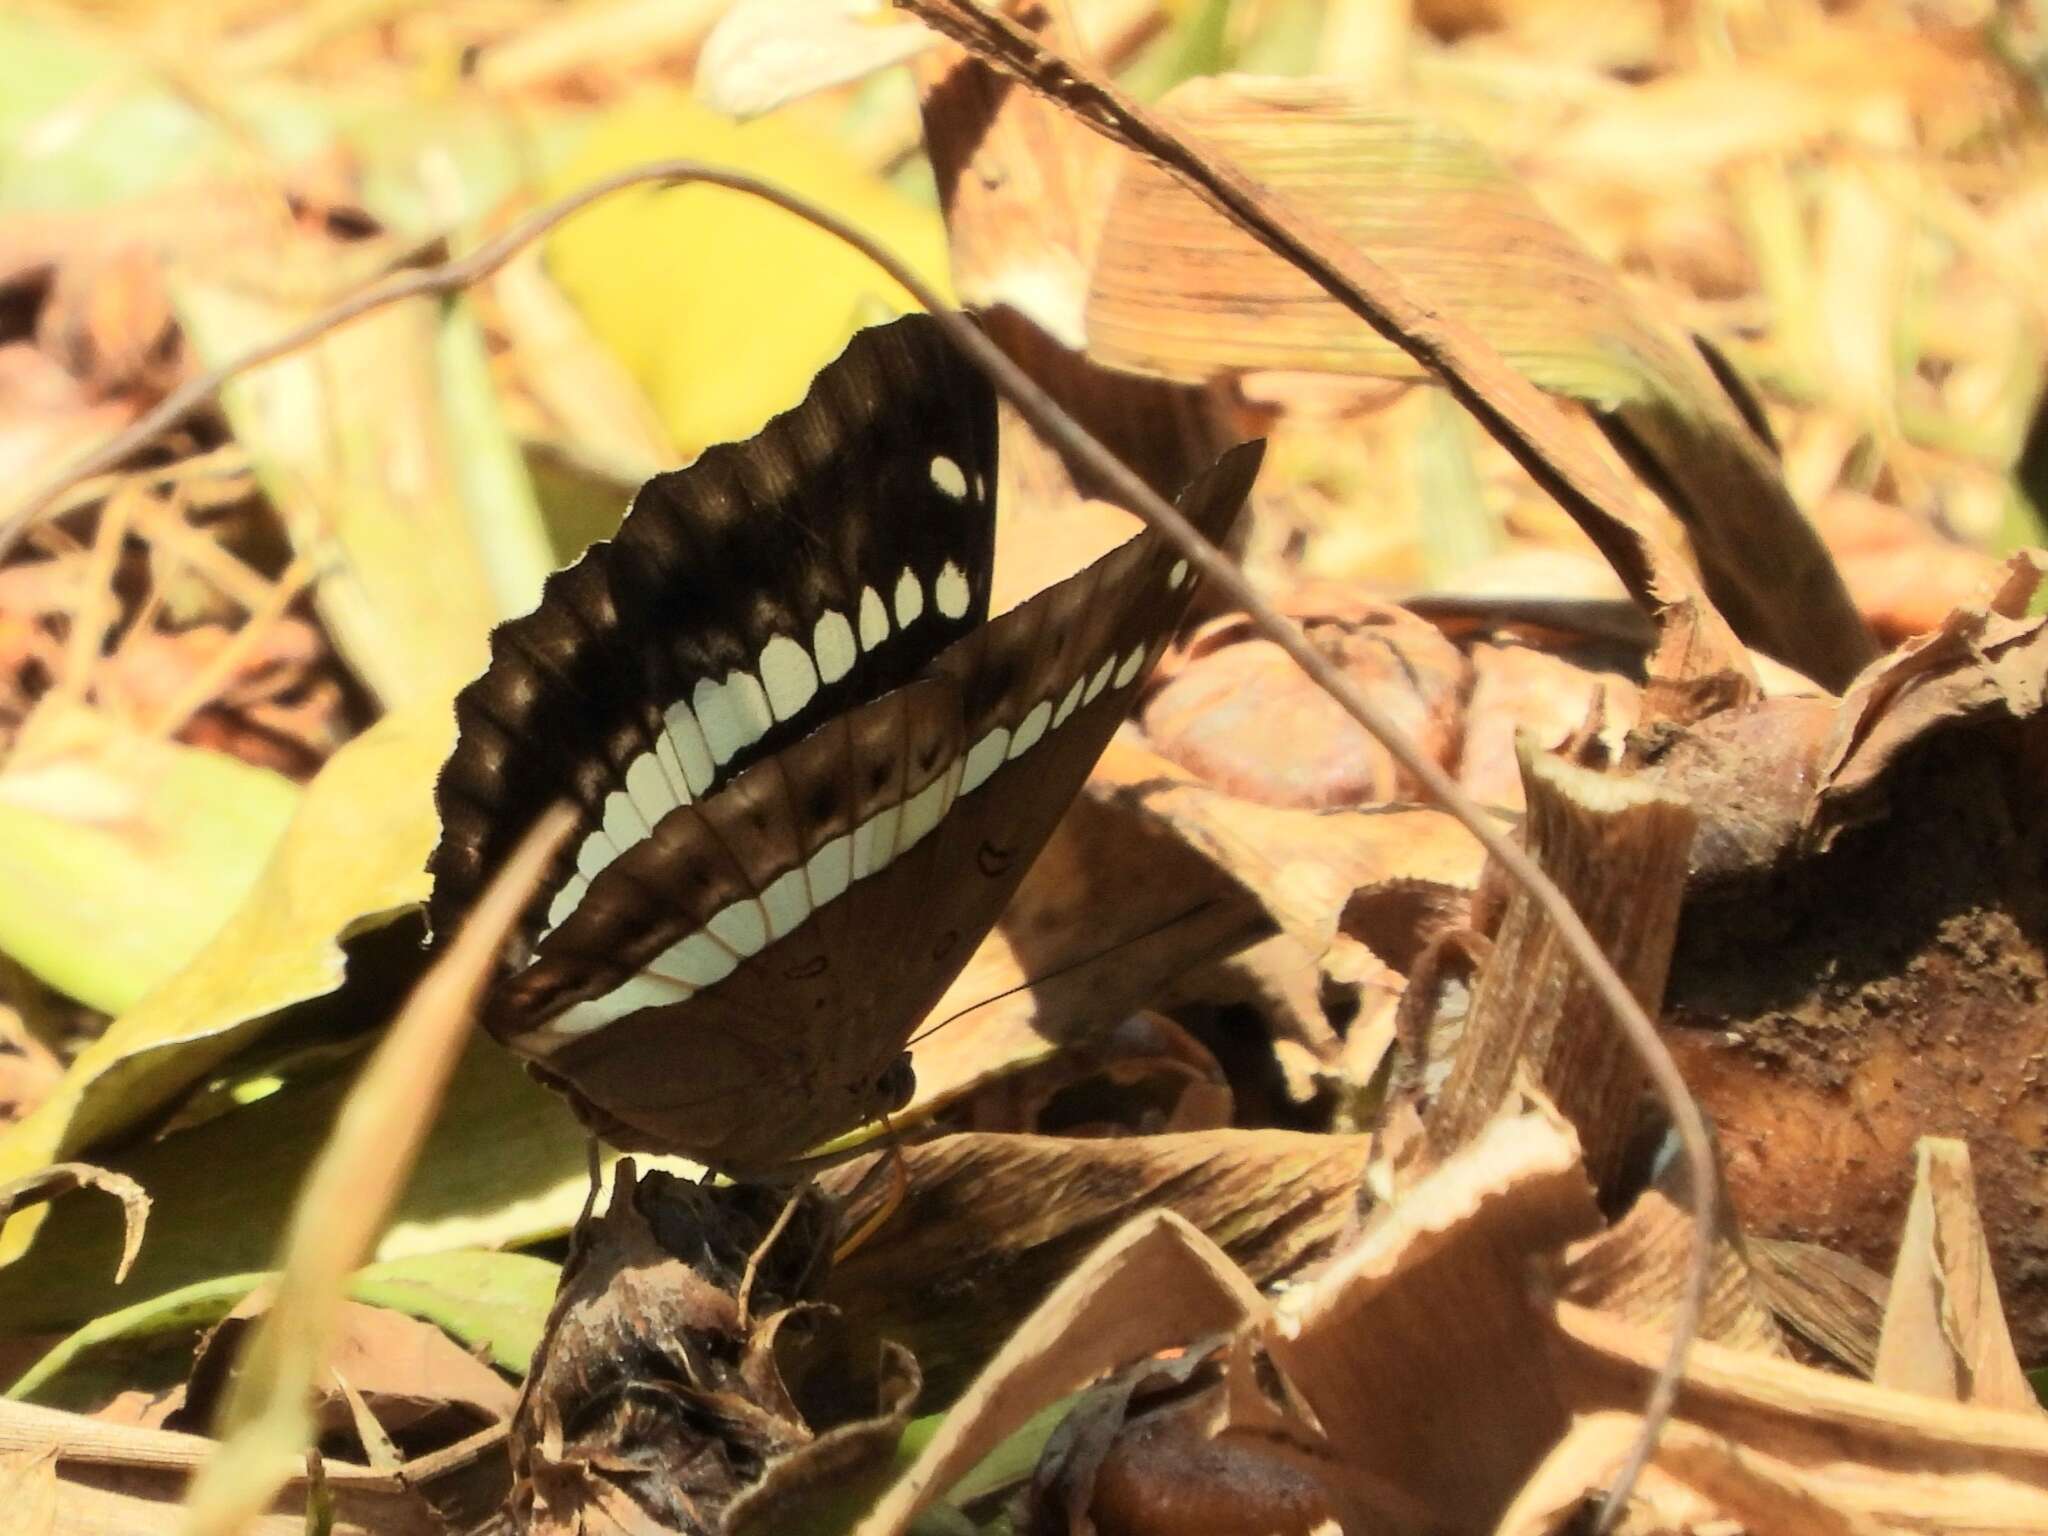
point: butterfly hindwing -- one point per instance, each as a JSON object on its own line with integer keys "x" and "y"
{"x": 766, "y": 587}
{"x": 723, "y": 956}
{"x": 777, "y": 942}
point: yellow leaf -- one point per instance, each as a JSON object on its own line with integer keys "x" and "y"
{"x": 721, "y": 305}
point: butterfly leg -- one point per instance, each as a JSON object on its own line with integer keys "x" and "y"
{"x": 899, "y": 1187}
{"x": 745, "y": 1295}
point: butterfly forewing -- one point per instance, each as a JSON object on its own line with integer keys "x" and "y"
{"x": 768, "y": 587}
{"x": 737, "y": 986}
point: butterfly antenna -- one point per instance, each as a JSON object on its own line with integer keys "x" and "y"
{"x": 1065, "y": 970}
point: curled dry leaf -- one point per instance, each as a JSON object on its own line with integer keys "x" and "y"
{"x": 419, "y": 1389}
{"x": 1237, "y": 711}
{"x": 1520, "y": 691}
{"x": 1636, "y": 1269}
{"x": 1411, "y": 1348}
{"x": 1155, "y": 1284}
{"x": 688, "y": 1381}
{"x": 1783, "y": 1450}
{"x": 62, "y": 1178}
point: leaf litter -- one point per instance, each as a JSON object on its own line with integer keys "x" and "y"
{"x": 1416, "y": 1241}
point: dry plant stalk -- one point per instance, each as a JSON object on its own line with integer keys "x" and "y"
{"x": 1617, "y": 849}
{"x": 347, "y": 1198}
{"x": 1700, "y": 665}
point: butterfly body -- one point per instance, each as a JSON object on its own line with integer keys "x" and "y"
{"x": 812, "y": 771}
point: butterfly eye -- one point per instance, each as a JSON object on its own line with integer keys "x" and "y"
{"x": 896, "y": 1086}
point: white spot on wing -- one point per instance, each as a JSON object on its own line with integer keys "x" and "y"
{"x": 1099, "y": 681}
{"x": 1132, "y": 662}
{"x": 909, "y": 598}
{"x": 927, "y": 808}
{"x": 567, "y": 899}
{"x": 672, "y": 768}
{"x": 787, "y": 676}
{"x": 950, "y": 590}
{"x": 1069, "y": 704}
{"x": 593, "y": 854}
{"x": 787, "y": 901}
{"x": 984, "y": 758}
{"x": 743, "y": 927}
{"x": 622, "y": 823}
{"x": 693, "y": 753}
{"x": 649, "y": 788}
{"x": 1177, "y": 575}
{"x": 874, "y": 619}
{"x": 734, "y": 714}
{"x": 949, "y": 477}
{"x": 832, "y": 642}
{"x": 631, "y": 996}
{"x": 1031, "y": 727}
{"x": 874, "y": 841}
{"x": 830, "y": 870}
{"x": 699, "y": 961}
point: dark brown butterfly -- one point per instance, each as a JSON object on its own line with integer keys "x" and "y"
{"x": 811, "y": 770}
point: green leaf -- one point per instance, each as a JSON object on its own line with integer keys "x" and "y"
{"x": 354, "y": 852}
{"x": 496, "y": 1302}
{"x": 505, "y": 1165}
{"x": 98, "y": 828}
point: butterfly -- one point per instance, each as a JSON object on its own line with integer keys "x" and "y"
{"x": 810, "y": 769}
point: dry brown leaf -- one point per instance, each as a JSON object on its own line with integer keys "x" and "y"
{"x": 1413, "y": 1348}
{"x": 1155, "y": 1284}
{"x": 28, "y": 1491}
{"x": 1181, "y": 293}
{"x": 1944, "y": 1331}
{"x": 118, "y": 1477}
{"x": 1637, "y": 1269}
{"x": 990, "y": 1224}
{"x": 1985, "y": 661}
{"x": 419, "y": 1388}
{"x": 1832, "y": 1301}
{"x": 1789, "y": 1448}
{"x": 1235, "y": 710}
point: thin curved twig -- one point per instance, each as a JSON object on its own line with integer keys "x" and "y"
{"x": 1047, "y": 417}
